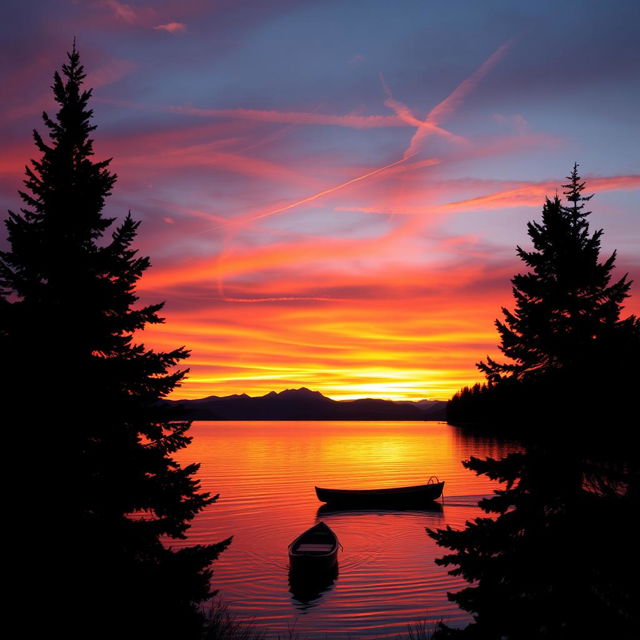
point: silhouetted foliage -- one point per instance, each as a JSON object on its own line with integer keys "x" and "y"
{"x": 565, "y": 340}
{"x": 482, "y": 404}
{"x": 557, "y": 556}
{"x": 100, "y": 446}
{"x": 565, "y": 304}
{"x": 555, "y": 559}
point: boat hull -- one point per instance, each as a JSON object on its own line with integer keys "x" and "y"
{"x": 316, "y": 565}
{"x": 316, "y": 549}
{"x": 370, "y": 497}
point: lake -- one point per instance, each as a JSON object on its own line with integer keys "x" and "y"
{"x": 265, "y": 473}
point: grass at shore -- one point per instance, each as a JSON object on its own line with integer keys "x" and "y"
{"x": 223, "y": 625}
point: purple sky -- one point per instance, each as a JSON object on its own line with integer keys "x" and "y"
{"x": 331, "y": 192}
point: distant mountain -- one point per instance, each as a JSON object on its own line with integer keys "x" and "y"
{"x": 304, "y": 404}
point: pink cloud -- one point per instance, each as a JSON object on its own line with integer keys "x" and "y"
{"x": 404, "y": 113}
{"x": 171, "y": 27}
{"x": 210, "y": 155}
{"x": 524, "y": 194}
{"x": 454, "y": 100}
{"x": 330, "y": 190}
{"x": 141, "y": 16}
{"x": 295, "y": 117}
{"x": 122, "y": 11}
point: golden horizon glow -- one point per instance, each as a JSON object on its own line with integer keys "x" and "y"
{"x": 344, "y": 352}
{"x": 361, "y": 246}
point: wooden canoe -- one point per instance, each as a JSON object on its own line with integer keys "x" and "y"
{"x": 315, "y": 548}
{"x": 387, "y": 496}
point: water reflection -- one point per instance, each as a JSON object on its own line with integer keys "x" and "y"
{"x": 265, "y": 473}
{"x": 307, "y": 588}
{"x": 433, "y": 509}
{"x": 564, "y": 529}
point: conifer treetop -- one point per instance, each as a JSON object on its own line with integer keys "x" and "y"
{"x": 565, "y": 303}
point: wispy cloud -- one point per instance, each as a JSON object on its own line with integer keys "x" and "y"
{"x": 405, "y": 114}
{"x": 352, "y": 121}
{"x": 513, "y": 195}
{"x": 330, "y": 190}
{"x": 454, "y": 100}
{"x": 306, "y": 226}
{"x": 144, "y": 16}
{"x": 122, "y": 11}
{"x": 171, "y": 27}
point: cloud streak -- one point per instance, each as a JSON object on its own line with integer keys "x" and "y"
{"x": 328, "y": 200}
{"x": 171, "y": 27}
{"x": 351, "y": 121}
{"x": 453, "y": 101}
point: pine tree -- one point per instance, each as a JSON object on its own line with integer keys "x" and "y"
{"x": 100, "y": 444}
{"x": 566, "y": 306}
{"x": 565, "y": 340}
{"x": 551, "y": 559}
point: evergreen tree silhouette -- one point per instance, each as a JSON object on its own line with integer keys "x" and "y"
{"x": 565, "y": 338}
{"x": 556, "y": 556}
{"x": 565, "y": 303}
{"x": 99, "y": 443}
{"x": 553, "y": 559}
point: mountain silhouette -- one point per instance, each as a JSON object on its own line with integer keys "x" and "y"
{"x": 304, "y": 404}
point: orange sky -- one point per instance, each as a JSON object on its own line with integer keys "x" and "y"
{"x": 403, "y": 313}
{"x": 358, "y": 286}
{"x": 332, "y": 199}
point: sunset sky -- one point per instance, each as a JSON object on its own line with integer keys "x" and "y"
{"x": 331, "y": 192}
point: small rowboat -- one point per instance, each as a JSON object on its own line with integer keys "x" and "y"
{"x": 316, "y": 548}
{"x": 394, "y": 495}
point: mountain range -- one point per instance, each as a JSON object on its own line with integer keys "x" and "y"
{"x": 304, "y": 404}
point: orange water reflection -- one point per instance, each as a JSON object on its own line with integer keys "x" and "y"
{"x": 265, "y": 473}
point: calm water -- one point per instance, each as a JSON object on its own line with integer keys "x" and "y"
{"x": 265, "y": 473}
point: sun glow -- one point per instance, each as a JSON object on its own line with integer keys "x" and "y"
{"x": 360, "y": 246}
{"x": 343, "y": 360}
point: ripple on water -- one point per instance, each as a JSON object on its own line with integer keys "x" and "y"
{"x": 266, "y": 473}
